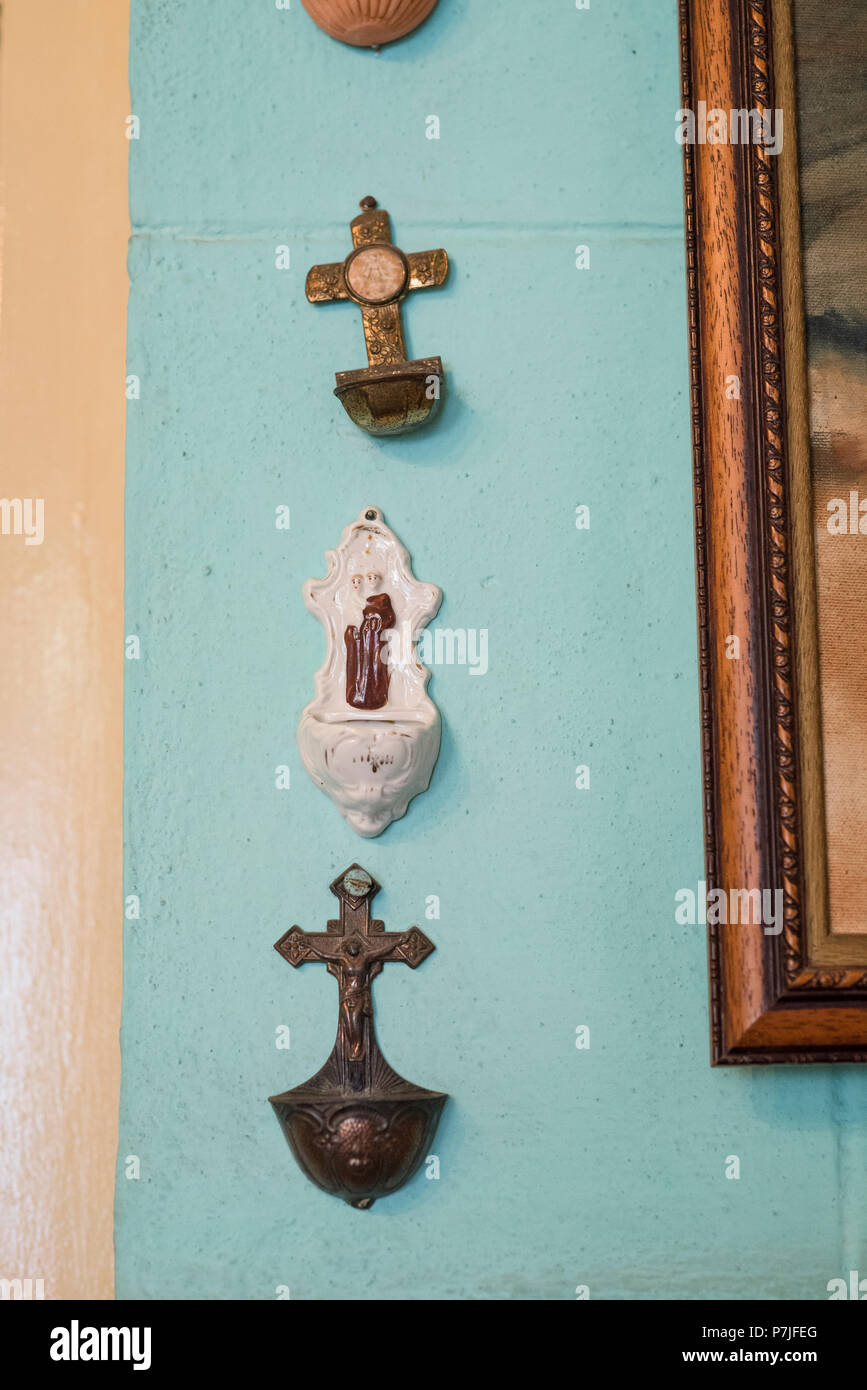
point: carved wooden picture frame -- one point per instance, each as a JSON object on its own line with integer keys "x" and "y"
{"x": 799, "y": 995}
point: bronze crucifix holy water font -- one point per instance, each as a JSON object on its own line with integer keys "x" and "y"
{"x": 390, "y": 395}
{"x": 357, "y": 1129}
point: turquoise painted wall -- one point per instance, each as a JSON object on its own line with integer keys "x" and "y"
{"x": 559, "y": 1167}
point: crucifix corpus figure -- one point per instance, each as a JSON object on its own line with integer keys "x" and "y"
{"x": 354, "y": 949}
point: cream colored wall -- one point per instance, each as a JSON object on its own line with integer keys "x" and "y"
{"x": 63, "y": 101}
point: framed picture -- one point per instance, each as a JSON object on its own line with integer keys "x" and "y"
{"x": 774, "y": 133}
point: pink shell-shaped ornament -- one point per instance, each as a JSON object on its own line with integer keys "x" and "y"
{"x": 368, "y": 23}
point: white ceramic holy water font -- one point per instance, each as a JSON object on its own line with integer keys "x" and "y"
{"x": 371, "y": 735}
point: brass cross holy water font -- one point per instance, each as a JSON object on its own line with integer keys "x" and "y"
{"x": 390, "y": 395}
{"x": 357, "y": 1129}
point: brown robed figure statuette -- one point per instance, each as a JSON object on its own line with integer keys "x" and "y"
{"x": 390, "y": 395}
{"x": 367, "y": 672}
{"x": 358, "y": 1130}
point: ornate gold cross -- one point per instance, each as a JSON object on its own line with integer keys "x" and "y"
{"x": 391, "y": 395}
